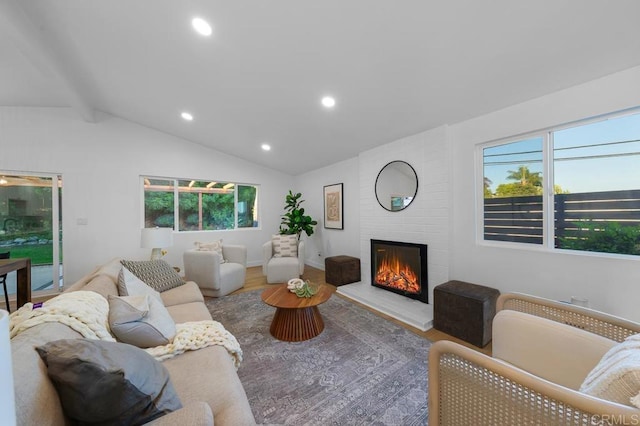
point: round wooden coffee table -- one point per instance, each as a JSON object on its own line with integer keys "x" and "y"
{"x": 296, "y": 318}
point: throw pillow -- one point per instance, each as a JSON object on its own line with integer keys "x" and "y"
{"x": 141, "y": 321}
{"x": 130, "y": 285}
{"x": 215, "y": 246}
{"x": 158, "y": 274}
{"x": 101, "y": 382}
{"x": 285, "y": 245}
{"x": 617, "y": 376}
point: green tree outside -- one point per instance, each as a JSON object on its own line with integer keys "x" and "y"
{"x": 527, "y": 184}
{"x": 217, "y": 203}
{"x": 517, "y": 190}
{"x": 525, "y": 176}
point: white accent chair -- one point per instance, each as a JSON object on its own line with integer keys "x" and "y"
{"x": 282, "y": 269}
{"x": 217, "y": 279}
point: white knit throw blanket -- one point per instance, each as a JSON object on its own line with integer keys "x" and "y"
{"x": 617, "y": 376}
{"x": 197, "y": 335}
{"x": 87, "y": 312}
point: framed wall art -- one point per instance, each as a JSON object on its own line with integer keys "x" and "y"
{"x": 333, "y": 207}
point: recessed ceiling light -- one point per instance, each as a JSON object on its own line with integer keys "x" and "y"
{"x": 266, "y": 147}
{"x": 186, "y": 116}
{"x": 328, "y": 102}
{"x": 201, "y": 26}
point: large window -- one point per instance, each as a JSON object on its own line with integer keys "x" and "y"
{"x": 31, "y": 226}
{"x": 574, "y": 188}
{"x": 192, "y": 205}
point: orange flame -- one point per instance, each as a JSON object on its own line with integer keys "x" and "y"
{"x": 394, "y": 273}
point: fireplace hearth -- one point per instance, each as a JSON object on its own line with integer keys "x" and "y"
{"x": 400, "y": 268}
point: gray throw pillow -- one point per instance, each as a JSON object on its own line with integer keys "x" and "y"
{"x": 102, "y": 383}
{"x": 141, "y": 321}
{"x": 157, "y": 274}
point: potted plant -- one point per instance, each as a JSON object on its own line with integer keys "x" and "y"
{"x": 294, "y": 221}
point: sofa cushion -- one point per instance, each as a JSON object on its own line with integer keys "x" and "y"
{"x": 197, "y": 413}
{"x": 157, "y": 274}
{"x": 102, "y": 284}
{"x": 187, "y": 293}
{"x": 195, "y": 311}
{"x": 107, "y": 382}
{"x": 617, "y": 376}
{"x": 547, "y": 348}
{"x": 141, "y": 321}
{"x": 214, "y": 246}
{"x": 214, "y": 382}
{"x": 285, "y": 245}
{"x": 110, "y": 269}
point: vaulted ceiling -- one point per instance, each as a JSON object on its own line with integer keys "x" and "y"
{"x": 395, "y": 68}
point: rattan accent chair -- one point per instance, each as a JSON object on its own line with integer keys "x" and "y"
{"x": 535, "y": 372}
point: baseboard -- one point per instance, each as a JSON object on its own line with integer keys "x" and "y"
{"x": 315, "y": 264}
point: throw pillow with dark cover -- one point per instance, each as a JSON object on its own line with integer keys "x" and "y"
{"x": 157, "y": 274}
{"x": 108, "y": 383}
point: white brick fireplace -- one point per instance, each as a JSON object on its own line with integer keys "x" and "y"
{"x": 425, "y": 221}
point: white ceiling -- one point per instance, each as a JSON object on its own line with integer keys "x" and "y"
{"x": 395, "y": 67}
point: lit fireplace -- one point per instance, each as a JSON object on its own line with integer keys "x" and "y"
{"x": 400, "y": 268}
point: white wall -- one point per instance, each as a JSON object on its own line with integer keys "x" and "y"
{"x": 332, "y": 242}
{"x": 611, "y": 285}
{"x": 101, "y": 164}
{"x": 426, "y": 220}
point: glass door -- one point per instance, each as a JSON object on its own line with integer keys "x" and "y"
{"x": 31, "y": 226}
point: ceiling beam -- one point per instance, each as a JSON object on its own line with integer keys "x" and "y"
{"x": 44, "y": 55}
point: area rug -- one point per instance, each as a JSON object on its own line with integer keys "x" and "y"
{"x": 361, "y": 370}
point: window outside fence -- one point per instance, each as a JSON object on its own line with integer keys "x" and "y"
{"x": 574, "y": 188}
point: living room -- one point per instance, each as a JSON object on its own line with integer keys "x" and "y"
{"x": 103, "y": 161}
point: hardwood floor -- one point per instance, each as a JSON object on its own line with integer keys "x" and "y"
{"x": 255, "y": 280}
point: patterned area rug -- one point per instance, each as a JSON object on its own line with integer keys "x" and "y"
{"x": 361, "y": 370}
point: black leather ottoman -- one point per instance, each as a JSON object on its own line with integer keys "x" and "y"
{"x": 465, "y": 311}
{"x": 340, "y": 270}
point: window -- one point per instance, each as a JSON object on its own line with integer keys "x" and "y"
{"x": 513, "y": 180}
{"x": 159, "y": 203}
{"x": 31, "y": 226}
{"x": 575, "y": 187}
{"x": 192, "y": 205}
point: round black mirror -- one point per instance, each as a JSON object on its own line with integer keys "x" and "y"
{"x": 396, "y": 186}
